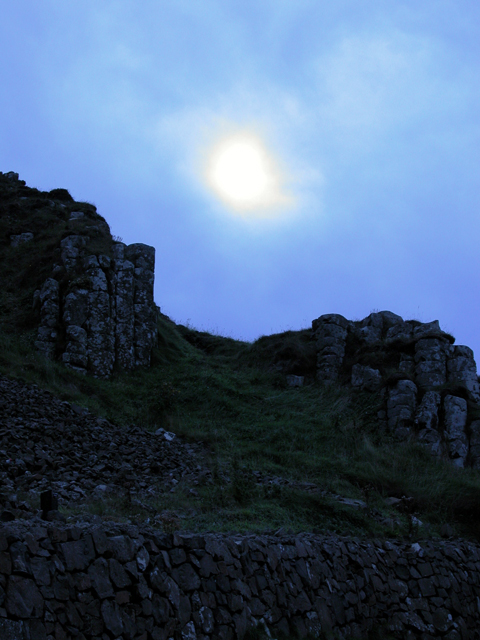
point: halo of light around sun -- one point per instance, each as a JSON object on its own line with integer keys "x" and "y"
{"x": 244, "y": 175}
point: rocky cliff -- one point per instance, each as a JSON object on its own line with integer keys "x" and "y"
{"x": 428, "y": 387}
{"x": 95, "y": 310}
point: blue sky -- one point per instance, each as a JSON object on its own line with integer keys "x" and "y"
{"x": 369, "y": 111}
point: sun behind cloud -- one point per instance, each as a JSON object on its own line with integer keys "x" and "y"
{"x": 245, "y": 177}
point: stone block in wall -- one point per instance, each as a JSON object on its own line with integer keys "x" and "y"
{"x": 455, "y": 410}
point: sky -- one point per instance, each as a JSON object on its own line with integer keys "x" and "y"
{"x": 360, "y": 122}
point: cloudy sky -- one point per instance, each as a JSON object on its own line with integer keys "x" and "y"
{"x": 286, "y": 158}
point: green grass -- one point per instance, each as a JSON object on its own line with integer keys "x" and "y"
{"x": 216, "y": 390}
{"x": 233, "y": 396}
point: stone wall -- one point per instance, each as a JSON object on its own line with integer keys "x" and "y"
{"x": 121, "y": 582}
{"x": 428, "y": 387}
{"x": 98, "y": 311}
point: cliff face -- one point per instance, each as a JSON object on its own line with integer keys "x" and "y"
{"x": 102, "y": 312}
{"x": 95, "y": 309}
{"x": 428, "y": 387}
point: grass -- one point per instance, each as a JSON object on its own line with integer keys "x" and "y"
{"x": 233, "y": 396}
{"x": 216, "y": 390}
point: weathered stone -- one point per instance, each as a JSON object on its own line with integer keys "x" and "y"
{"x": 295, "y": 381}
{"x": 400, "y": 333}
{"x": 431, "y": 362}
{"x": 17, "y": 240}
{"x": 23, "y": 600}
{"x": 366, "y": 378}
{"x": 112, "y": 617}
{"x": 98, "y": 574}
{"x": 78, "y": 554}
{"x": 186, "y": 577}
{"x": 162, "y": 610}
{"x": 75, "y": 308}
{"x": 49, "y": 298}
{"x": 474, "y": 449}
{"x": 462, "y": 369}
{"x": 455, "y": 423}
{"x": 427, "y": 423}
{"x": 118, "y": 575}
{"x": 143, "y": 559}
{"x": 72, "y": 248}
{"x": 12, "y": 630}
{"x": 401, "y": 406}
{"x": 122, "y": 548}
{"x": 330, "y": 332}
{"x": 188, "y": 632}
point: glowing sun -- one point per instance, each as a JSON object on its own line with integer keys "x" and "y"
{"x": 242, "y": 173}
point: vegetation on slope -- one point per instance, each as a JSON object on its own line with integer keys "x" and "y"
{"x": 280, "y": 455}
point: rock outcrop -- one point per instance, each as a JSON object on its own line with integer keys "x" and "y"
{"x": 428, "y": 389}
{"x": 94, "y": 298}
{"x": 101, "y": 313}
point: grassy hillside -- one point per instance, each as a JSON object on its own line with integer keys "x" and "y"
{"x": 280, "y": 456}
{"x": 308, "y": 458}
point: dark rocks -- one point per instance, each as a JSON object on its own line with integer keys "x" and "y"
{"x": 279, "y": 582}
{"x": 401, "y": 406}
{"x": 72, "y": 452}
{"x": 330, "y": 332}
{"x": 108, "y": 312}
{"x": 415, "y": 368}
{"x": 455, "y": 423}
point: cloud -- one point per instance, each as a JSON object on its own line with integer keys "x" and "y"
{"x": 274, "y": 114}
{"x": 368, "y": 85}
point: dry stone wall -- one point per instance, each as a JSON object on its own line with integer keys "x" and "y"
{"x": 428, "y": 388}
{"x": 59, "y": 582}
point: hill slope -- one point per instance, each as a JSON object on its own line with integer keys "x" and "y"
{"x": 249, "y": 452}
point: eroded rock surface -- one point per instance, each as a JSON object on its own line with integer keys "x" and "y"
{"x": 427, "y": 388}
{"x": 104, "y": 308}
{"x": 330, "y": 332}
